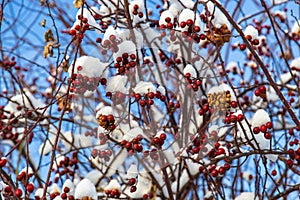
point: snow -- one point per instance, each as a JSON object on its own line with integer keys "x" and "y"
{"x": 113, "y": 184}
{"x": 189, "y": 14}
{"x": 46, "y": 147}
{"x": 279, "y": 1}
{"x": 106, "y": 110}
{"x": 260, "y": 117}
{"x": 144, "y": 87}
{"x": 115, "y": 163}
{"x": 164, "y": 15}
{"x": 132, "y": 171}
{"x": 91, "y": 66}
{"x": 295, "y": 64}
{"x": 296, "y": 28}
{"x": 125, "y": 47}
{"x": 28, "y": 171}
{"x": 140, "y": 3}
{"x": 116, "y": 84}
{"x": 132, "y": 133}
{"x": 246, "y": 196}
{"x": 25, "y": 100}
{"x": 85, "y": 188}
{"x": 191, "y": 70}
{"x": 250, "y": 30}
{"x": 219, "y": 18}
{"x": 94, "y": 176}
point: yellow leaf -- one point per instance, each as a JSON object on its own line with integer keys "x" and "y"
{"x": 78, "y": 3}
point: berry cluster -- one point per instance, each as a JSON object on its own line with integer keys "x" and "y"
{"x": 194, "y": 83}
{"x": 104, "y": 153}
{"x": 264, "y": 128}
{"x": 66, "y": 166}
{"x": 111, "y": 43}
{"x": 261, "y": 92}
{"x": 159, "y": 141}
{"x": 148, "y": 99}
{"x": 124, "y": 63}
{"x": 134, "y": 145}
{"x": 81, "y": 84}
{"x": 153, "y": 153}
{"x": 136, "y": 11}
{"x": 114, "y": 193}
{"x": 107, "y": 122}
{"x": 78, "y": 31}
{"x": 198, "y": 144}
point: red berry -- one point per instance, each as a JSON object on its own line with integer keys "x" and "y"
{"x": 132, "y": 188}
{"x": 110, "y": 118}
{"x": 72, "y": 32}
{"x": 269, "y": 125}
{"x": 18, "y": 192}
{"x": 255, "y": 42}
{"x": 268, "y": 135}
{"x": 262, "y": 89}
{"x": 257, "y": 93}
{"x": 168, "y": 19}
{"x": 2, "y": 162}
{"x": 233, "y": 118}
{"x": 289, "y": 163}
{"x": 274, "y": 172}
{"x": 263, "y": 128}
{"x": 131, "y": 181}
{"x": 157, "y": 140}
{"x": 189, "y": 22}
{"x": 163, "y": 136}
{"x": 256, "y": 130}
{"x": 234, "y": 104}
{"x": 182, "y": 24}
{"x": 214, "y": 173}
{"x": 66, "y": 189}
{"x": 30, "y": 187}
{"x": 136, "y": 7}
{"x": 222, "y": 170}
{"x": 242, "y": 47}
{"x": 240, "y": 117}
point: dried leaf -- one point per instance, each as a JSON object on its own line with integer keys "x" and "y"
{"x": 78, "y": 3}
{"x": 48, "y": 36}
{"x": 42, "y": 2}
{"x": 48, "y": 50}
{"x": 43, "y": 23}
